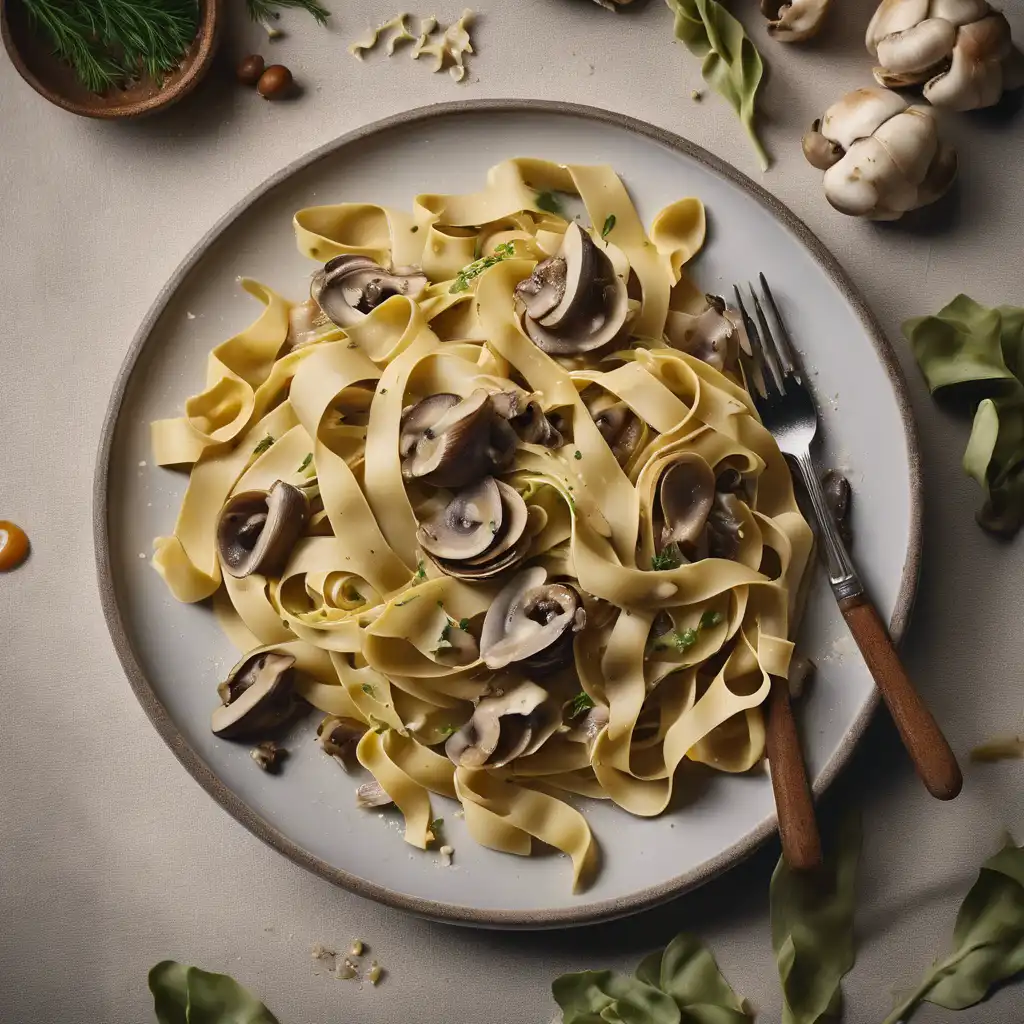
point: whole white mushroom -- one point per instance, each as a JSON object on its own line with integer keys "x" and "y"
{"x": 881, "y": 156}
{"x": 960, "y": 51}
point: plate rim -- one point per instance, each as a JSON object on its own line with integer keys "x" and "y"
{"x": 604, "y": 910}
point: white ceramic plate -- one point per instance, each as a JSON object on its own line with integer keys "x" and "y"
{"x": 174, "y": 654}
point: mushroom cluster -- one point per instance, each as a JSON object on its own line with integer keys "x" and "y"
{"x": 257, "y": 530}
{"x": 881, "y": 156}
{"x": 509, "y": 724}
{"x": 574, "y": 302}
{"x": 532, "y": 624}
{"x": 793, "y": 21}
{"x": 959, "y": 51}
{"x": 256, "y": 697}
{"x": 351, "y": 286}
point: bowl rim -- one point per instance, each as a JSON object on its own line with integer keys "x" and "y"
{"x": 198, "y": 63}
{"x": 605, "y": 910}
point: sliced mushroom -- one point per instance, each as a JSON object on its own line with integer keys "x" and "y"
{"x": 418, "y": 419}
{"x": 339, "y": 736}
{"x": 258, "y": 529}
{"x": 269, "y": 756}
{"x": 527, "y": 418}
{"x": 469, "y": 440}
{"x": 372, "y": 794}
{"x": 593, "y": 307}
{"x": 491, "y": 514}
{"x": 510, "y": 724}
{"x": 350, "y": 286}
{"x": 532, "y": 623}
{"x": 256, "y": 697}
{"x": 621, "y": 428}
{"x": 686, "y": 493}
{"x": 711, "y": 336}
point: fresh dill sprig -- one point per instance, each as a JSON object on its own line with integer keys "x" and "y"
{"x": 504, "y": 251}
{"x": 264, "y": 10}
{"x": 109, "y": 42}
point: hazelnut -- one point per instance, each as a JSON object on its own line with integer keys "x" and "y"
{"x": 249, "y": 70}
{"x": 275, "y": 82}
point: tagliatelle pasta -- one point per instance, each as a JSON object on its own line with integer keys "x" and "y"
{"x": 497, "y": 502}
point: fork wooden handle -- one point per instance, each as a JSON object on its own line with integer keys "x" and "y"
{"x": 921, "y": 735}
{"x": 798, "y": 828}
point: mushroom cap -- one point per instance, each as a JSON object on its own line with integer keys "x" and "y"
{"x": 467, "y": 442}
{"x": 893, "y": 16}
{"x": 686, "y": 492}
{"x": 621, "y": 428}
{"x": 467, "y": 525}
{"x": 594, "y": 305}
{"x": 422, "y": 416}
{"x": 529, "y": 622}
{"x": 707, "y": 335}
{"x": 859, "y": 114}
{"x": 527, "y": 418}
{"x": 503, "y": 727}
{"x": 257, "y": 530}
{"x": 975, "y": 75}
{"x": 338, "y": 736}
{"x": 349, "y": 286}
{"x": 917, "y": 49}
{"x": 796, "y": 21}
{"x": 819, "y": 151}
{"x": 257, "y": 696}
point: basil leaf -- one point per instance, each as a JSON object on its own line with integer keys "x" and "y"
{"x": 988, "y": 938}
{"x": 604, "y": 997}
{"x": 187, "y": 995}
{"x": 731, "y": 64}
{"x": 812, "y": 929}
{"x": 975, "y": 355}
{"x": 687, "y": 971}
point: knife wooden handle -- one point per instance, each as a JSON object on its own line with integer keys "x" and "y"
{"x": 798, "y": 828}
{"x": 921, "y": 735}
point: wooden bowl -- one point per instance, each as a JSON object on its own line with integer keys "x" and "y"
{"x": 30, "y": 52}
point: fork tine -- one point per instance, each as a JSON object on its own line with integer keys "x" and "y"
{"x": 756, "y": 351}
{"x": 771, "y": 352}
{"x": 784, "y": 344}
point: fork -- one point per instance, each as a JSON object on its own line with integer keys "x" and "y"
{"x": 787, "y": 410}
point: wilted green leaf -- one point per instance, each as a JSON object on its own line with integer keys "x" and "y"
{"x": 731, "y": 64}
{"x": 974, "y": 354}
{"x": 687, "y": 971}
{"x": 187, "y": 995}
{"x": 988, "y": 940}
{"x": 604, "y": 997}
{"x": 812, "y": 929}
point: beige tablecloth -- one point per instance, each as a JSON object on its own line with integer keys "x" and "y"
{"x": 112, "y": 858}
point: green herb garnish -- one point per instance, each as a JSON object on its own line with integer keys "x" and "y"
{"x": 609, "y": 223}
{"x": 108, "y": 42}
{"x": 504, "y": 251}
{"x": 549, "y": 203}
{"x": 577, "y": 455}
{"x": 667, "y": 559}
{"x": 710, "y": 619}
{"x": 263, "y": 445}
{"x": 306, "y": 461}
{"x": 421, "y": 573}
{"x": 464, "y": 625}
{"x": 442, "y": 641}
{"x": 263, "y": 10}
{"x": 369, "y": 690}
{"x": 580, "y": 703}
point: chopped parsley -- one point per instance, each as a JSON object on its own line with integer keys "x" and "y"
{"x": 503, "y": 251}
{"x": 306, "y": 461}
{"x": 681, "y": 640}
{"x": 421, "y": 573}
{"x": 580, "y": 703}
{"x": 383, "y": 391}
{"x": 263, "y": 445}
{"x": 549, "y": 203}
{"x": 464, "y": 625}
{"x": 609, "y": 223}
{"x": 709, "y": 619}
{"x": 435, "y": 827}
{"x": 414, "y": 228}
{"x": 442, "y": 641}
{"x": 369, "y": 690}
{"x": 578, "y": 454}
{"x": 667, "y": 559}
{"x": 447, "y": 730}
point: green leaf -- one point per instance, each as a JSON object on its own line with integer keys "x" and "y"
{"x": 609, "y": 223}
{"x": 812, "y": 929}
{"x": 710, "y": 619}
{"x": 687, "y": 971}
{"x": 187, "y": 995}
{"x": 263, "y": 445}
{"x": 604, "y": 997}
{"x": 503, "y": 251}
{"x": 975, "y": 356}
{"x": 549, "y": 203}
{"x": 731, "y": 64}
{"x": 988, "y": 940}
{"x": 580, "y": 703}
